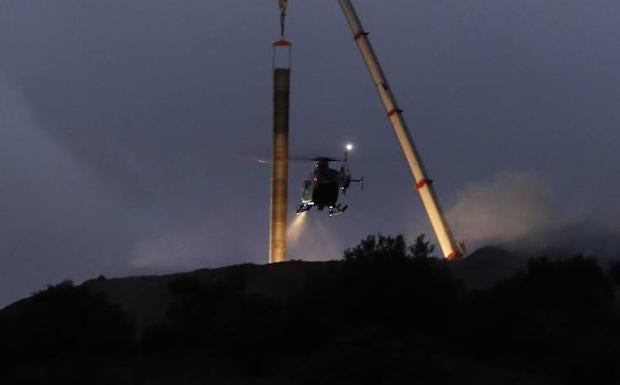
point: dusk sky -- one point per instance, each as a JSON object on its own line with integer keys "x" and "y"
{"x": 127, "y": 127}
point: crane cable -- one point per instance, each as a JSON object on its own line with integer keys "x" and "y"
{"x": 283, "y": 4}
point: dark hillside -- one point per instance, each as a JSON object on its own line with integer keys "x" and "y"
{"x": 146, "y": 299}
{"x": 386, "y": 314}
{"x": 487, "y": 266}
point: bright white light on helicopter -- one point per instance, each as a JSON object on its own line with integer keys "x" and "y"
{"x": 349, "y": 147}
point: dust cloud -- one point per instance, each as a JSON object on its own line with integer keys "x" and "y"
{"x": 514, "y": 209}
{"x": 507, "y": 207}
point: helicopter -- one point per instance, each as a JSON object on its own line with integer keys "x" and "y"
{"x": 324, "y": 185}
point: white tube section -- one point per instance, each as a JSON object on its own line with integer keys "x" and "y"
{"x": 449, "y": 247}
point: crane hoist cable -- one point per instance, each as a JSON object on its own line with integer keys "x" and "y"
{"x": 282, "y": 47}
{"x": 283, "y": 4}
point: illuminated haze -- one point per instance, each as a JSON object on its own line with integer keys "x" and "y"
{"x": 122, "y": 123}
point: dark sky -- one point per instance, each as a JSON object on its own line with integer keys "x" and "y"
{"x": 125, "y": 126}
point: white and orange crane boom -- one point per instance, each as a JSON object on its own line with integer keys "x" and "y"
{"x": 450, "y": 248}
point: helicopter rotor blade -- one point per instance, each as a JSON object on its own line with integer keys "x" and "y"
{"x": 261, "y": 158}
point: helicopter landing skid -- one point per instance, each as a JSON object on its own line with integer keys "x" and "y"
{"x": 337, "y": 210}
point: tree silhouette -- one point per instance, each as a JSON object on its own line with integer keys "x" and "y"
{"x": 385, "y": 249}
{"x": 64, "y": 333}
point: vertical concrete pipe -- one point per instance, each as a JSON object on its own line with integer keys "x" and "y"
{"x": 279, "y": 171}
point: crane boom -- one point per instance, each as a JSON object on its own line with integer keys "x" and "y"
{"x": 449, "y": 247}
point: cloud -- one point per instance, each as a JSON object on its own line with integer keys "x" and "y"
{"x": 170, "y": 251}
{"x": 215, "y": 240}
{"x": 57, "y": 219}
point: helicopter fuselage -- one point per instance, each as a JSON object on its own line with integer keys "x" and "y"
{"x": 323, "y": 186}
